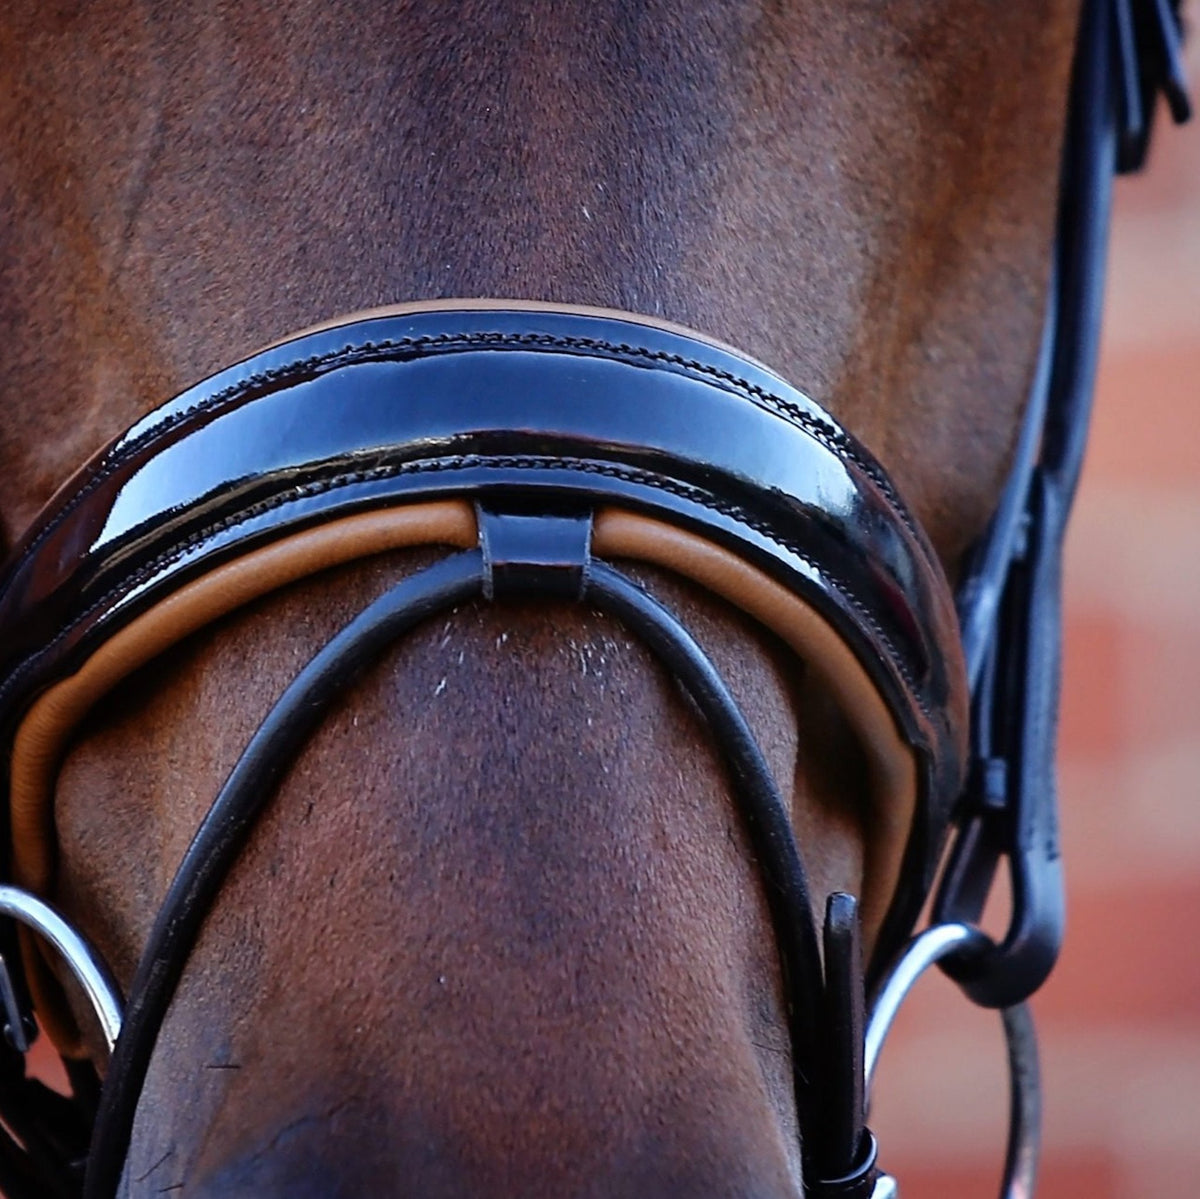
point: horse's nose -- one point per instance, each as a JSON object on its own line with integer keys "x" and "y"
{"x": 300, "y": 1178}
{"x": 305, "y": 1160}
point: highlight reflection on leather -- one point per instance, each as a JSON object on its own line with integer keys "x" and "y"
{"x": 535, "y": 410}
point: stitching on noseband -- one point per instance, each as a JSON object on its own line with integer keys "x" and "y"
{"x": 834, "y": 439}
{"x": 433, "y": 466}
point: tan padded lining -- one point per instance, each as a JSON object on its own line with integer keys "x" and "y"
{"x": 44, "y": 733}
{"x": 892, "y": 763}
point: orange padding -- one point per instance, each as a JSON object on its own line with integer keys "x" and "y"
{"x": 891, "y": 759}
{"x": 43, "y": 735}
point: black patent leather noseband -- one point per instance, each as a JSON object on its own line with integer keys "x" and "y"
{"x": 543, "y": 418}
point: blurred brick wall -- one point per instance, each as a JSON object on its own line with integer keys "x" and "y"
{"x": 1120, "y": 1019}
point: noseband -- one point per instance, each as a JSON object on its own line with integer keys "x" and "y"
{"x": 541, "y": 446}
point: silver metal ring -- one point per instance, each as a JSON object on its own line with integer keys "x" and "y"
{"x": 81, "y": 959}
{"x": 1024, "y": 1076}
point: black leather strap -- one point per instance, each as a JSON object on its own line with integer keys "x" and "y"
{"x": 1010, "y": 600}
{"x": 221, "y": 836}
{"x": 523, "y": 410}
{"x": 534, "y": 554}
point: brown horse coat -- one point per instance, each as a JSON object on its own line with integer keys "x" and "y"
{"x": 500, "y": 931}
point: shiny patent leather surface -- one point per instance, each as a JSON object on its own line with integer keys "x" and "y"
{"x": 542, "y": 411}
{"x": 500, "y": 403}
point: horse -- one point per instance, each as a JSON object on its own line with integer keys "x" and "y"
{"x": 500, "y": 926}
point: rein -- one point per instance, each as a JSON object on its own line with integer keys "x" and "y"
{"x": 541, "y": 445}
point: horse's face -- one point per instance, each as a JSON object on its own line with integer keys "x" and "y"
{"x": 500, "y": 931}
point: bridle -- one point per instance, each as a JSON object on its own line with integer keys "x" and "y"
{"x": 543, "y": 444}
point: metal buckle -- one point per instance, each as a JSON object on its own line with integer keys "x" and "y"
{"x": 935, "y": 945}
{"x": 76, "y": 952}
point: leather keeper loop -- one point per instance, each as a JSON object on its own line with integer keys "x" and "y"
{"x": 528, "y": 553}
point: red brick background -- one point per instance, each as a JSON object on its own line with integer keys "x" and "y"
{"x": 1120, "y": 1019}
